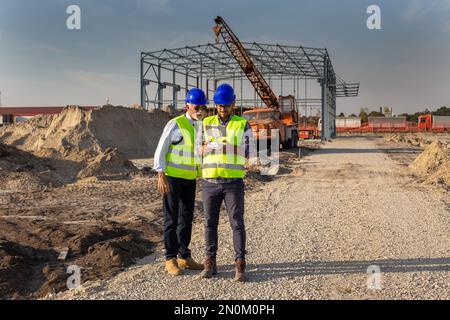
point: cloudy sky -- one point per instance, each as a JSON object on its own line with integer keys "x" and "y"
{"x": 405, "y": 65}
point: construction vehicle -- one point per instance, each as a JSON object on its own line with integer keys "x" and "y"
{"x": 280, "y": 113}
{"x": 309, "y": 132}
{"x": 309, "y": 128}
{"x": 428, "y": 122}
{"x": 264, "y": 120}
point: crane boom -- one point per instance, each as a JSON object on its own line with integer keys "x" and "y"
{"x": 245, "y": 62}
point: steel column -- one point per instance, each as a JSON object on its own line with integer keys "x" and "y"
{"x": 324, "y": 109}
{"x": 142, "y": 83}
{"x": 174, "y": 90}
{"x": 160, "y": 88}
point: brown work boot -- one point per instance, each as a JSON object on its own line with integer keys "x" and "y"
{"x": 240, "y": 270}
{"x": 210, "y": 268}
{"x": 172, "y": 267}
{"x": 189, "y": 263}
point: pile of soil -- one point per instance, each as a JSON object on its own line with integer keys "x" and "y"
{"x": 412, "y": 140}
{"x": 434, "y": 164}
{"x": 76, "y": 134}
{"x": 395, "y": 138}
{"x": 78, "y": 144}
{"x": 108, "y": 164}
{"x": 23, "y": 170}
{"x": 29, "y": 252}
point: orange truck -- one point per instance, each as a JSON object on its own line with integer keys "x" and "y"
{"x": 428, "y": 122}
{"x": 284, "y": 119}
{"x": 310, "y": 128}
{"x": 309, "y": 132}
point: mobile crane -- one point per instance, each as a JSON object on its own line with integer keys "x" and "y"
{"x": 280, "y": 113}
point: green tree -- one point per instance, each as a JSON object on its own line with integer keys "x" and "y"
{"x": 442, "y": 111}
{"x": 376, "y": 114}
{"x": 363, "y": 115}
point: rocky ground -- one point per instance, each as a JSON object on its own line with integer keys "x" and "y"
{"x": 317, "y": 231}
{"x": 105, "y": 225}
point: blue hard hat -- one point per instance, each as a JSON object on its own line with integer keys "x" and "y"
{"x": 196, "y": 96}
{"x": 224, "y": 95}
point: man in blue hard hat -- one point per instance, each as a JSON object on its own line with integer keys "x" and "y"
{"x": 178, "y": 167}
{"x": 226, "y": 146}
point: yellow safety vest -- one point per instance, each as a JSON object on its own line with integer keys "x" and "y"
{"x": 228, "y": 163}
{"x": 180, "y": 160}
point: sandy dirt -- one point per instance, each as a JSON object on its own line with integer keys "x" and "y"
{"x": 54, "y": 150}
{"x": 315, "y": 231}
{"x": 78, "y": 135}
{"x": 106, "y": 225}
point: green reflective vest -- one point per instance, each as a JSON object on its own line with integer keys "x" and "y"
{"x": 225, "y": 157}
{"x": 180, "y": 160}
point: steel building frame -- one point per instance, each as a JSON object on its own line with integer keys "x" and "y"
{"x": 204, "y": 66}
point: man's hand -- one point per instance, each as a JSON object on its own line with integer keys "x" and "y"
{"x": 202, "y": 149}
{"x": 224, "y": 148}
{"x": 163, "y": 184}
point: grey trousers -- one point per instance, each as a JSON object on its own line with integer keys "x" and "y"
{"x": 233, "y": 194}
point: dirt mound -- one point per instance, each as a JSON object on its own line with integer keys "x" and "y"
{"x": 410, "y": 139}
{"x": 402, "y": 138}
{"x": 432, "y": 158}
{"x": 78, "y": 144}
{"x": 441, "y": 177}
{"x": 22, "y": 170}
{"x": 107, "y": 164}
{"x": 29, "y": 265}
{"x": 434, "y": 163}
{"x": 133, "y": 132}
{"x": 393, "y": 138}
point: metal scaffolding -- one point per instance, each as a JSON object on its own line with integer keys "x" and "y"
{"x": 205, "y": 66}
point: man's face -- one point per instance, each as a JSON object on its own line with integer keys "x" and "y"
{"x": 225, "y": 111}
{"x": 196, "y": 112}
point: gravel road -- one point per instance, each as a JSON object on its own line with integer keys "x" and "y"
{"x": 313, "y": 233}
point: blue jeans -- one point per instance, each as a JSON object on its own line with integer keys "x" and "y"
{"x": 233, "y": 195}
